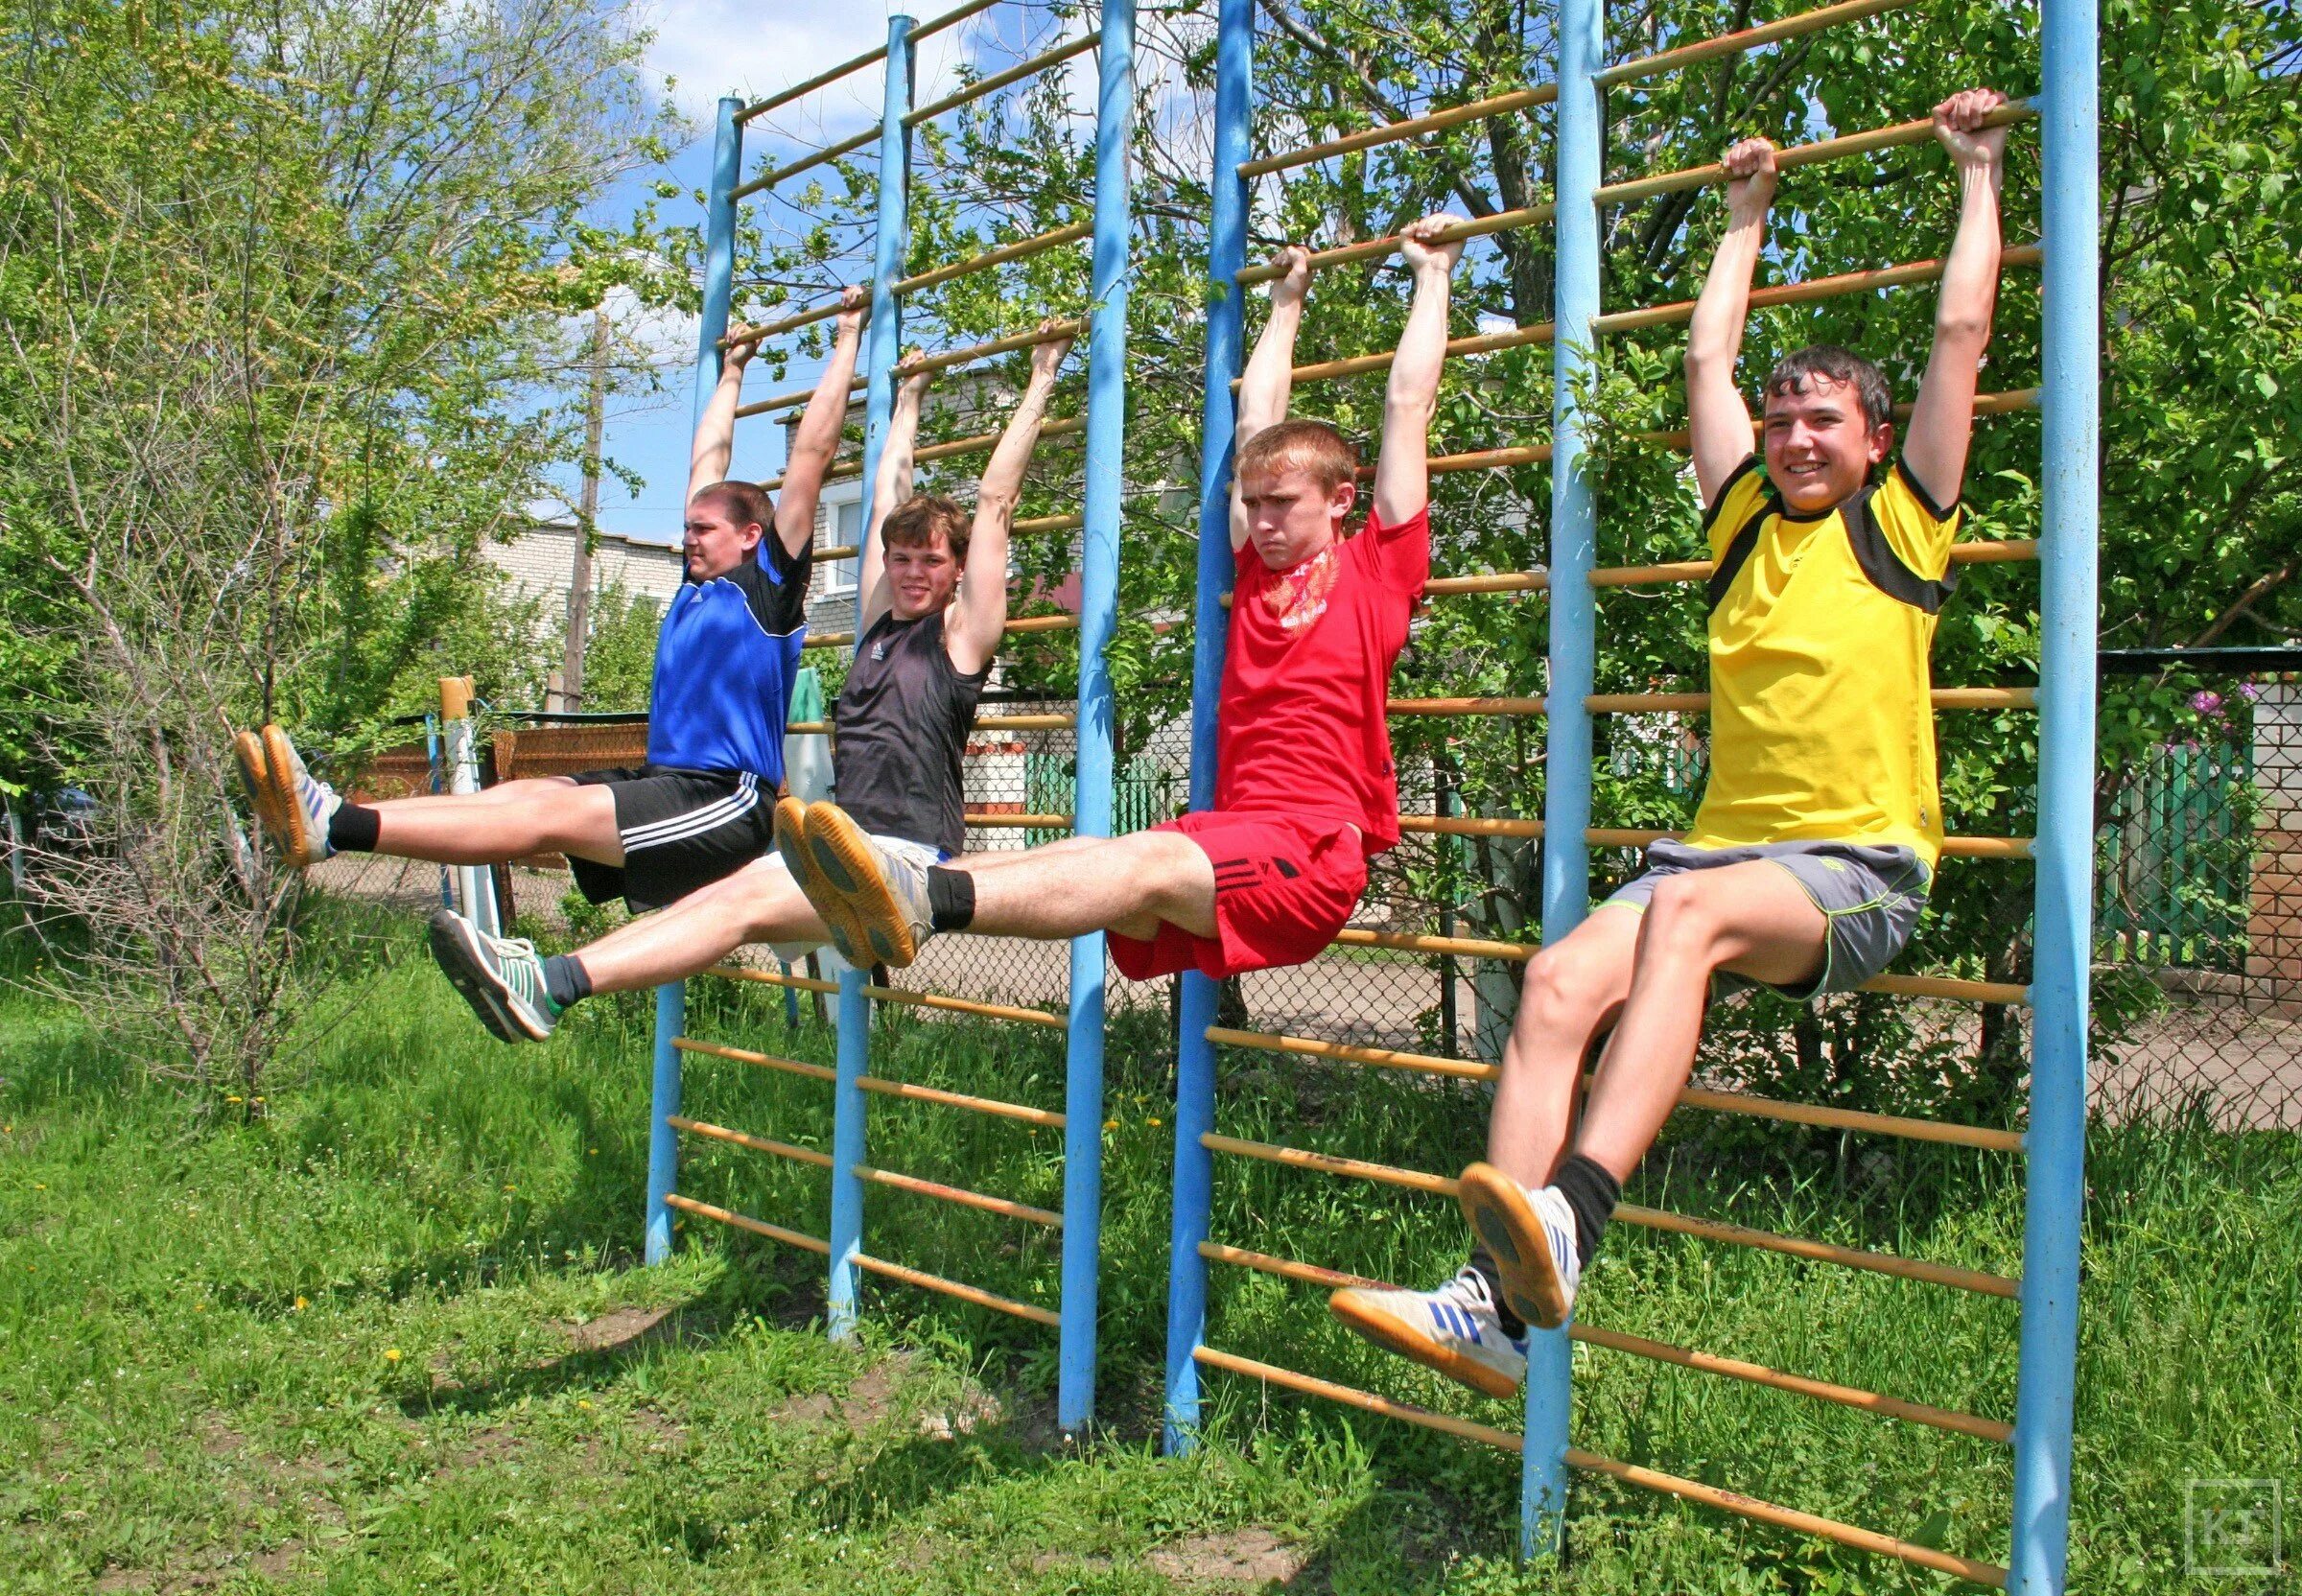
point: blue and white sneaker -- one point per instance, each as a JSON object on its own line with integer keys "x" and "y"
{"x": 501, "y": 976}
{"x": 305, "y": 803}
{"x": 1531, "y": 1235}
{"x": 1454, "y": 1329}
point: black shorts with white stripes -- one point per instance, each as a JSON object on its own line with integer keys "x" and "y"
{"x": 681, "y": 829}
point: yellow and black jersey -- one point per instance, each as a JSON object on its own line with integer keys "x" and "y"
{"x": 1820, "y": 724}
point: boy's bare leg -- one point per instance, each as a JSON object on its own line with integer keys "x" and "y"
{"x": 1573, "y": 989}
{"x": 1753, "y": 919}
{"x": 1126, "y": 885}
{"x": 549, "y": 814}
{"x": 758, "y": 902}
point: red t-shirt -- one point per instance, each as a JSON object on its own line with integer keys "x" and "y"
{"x": 1307, "y": 678}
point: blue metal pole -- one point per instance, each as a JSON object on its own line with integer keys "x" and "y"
{"x": 882, "y": 349}
{"x": 1195, "y": 1055}
{"x": 718, "y": 251}
{"x": 1574, "y": 648}
{"x": 1092, "y": 796}
{"x": 671, "y": 999}
{"x": 663, "y": 1142}
{"x": 2055, "y": 1145}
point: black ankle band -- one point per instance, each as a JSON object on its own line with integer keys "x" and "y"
{"x": 566, "y": 979}
{"x": 950, "y": 898}
{"x": 1482, "y": 1264}
{"x": 353, "y": 830}
{"x": 1592, "y": 1194}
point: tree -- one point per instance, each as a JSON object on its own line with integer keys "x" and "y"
{"x": 282, "y": 291}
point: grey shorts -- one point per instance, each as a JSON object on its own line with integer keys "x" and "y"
{"x": 1871, "y": 897}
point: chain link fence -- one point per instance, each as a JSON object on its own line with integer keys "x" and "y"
{"x": 2198, "y": 919}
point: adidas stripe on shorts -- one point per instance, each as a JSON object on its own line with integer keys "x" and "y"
{"x": 681, "y": 830}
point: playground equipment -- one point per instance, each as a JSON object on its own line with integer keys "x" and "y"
{"x": 2040, "y": 1436}
{"x": 1570, "y": 581}
{"x": 853, "y": 1082}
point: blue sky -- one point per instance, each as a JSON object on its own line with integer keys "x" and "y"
{"x": 710, "y": 47}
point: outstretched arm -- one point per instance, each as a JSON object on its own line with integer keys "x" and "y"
{"x": 816, "y": 437}
{"x": 715, "y": 444}
{"x": 1935, "y": 452}
{"x": 1270, "y": 376}
{"x": 980, "y": 614}
{"x": 1715, "y": 412}
{"x": 888, "y": 490}
{"x": 1402, "y": 473}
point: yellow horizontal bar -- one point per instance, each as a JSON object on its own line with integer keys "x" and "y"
{"x": 1352, "y": 1396}
{"x": 744, "y": 1222}
{"x": 765, "y": 1061}
{"x": 1000, "y": 80}
{"x": 1392, "y": 133}
{"x": 1001, "y": 256}
{"x": 755, "y": 1143}
{"x": 955, "y": 1288}
{"x": 993, "y": 1106}
{"x": 1919, "y": 131}
{"x": 1748, "y": 38}
{"x": 957, "y": 1194}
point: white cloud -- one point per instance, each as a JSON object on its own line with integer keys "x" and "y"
{"x": 715, "y": 47}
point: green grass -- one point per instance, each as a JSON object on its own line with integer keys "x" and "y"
{"x": 386, "y": 1334}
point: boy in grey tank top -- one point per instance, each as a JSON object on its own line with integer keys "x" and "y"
{"x": 934, "y": 587}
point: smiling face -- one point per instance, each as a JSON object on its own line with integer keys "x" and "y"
{"x": 922, "y": 577}
{"x": 1828, "y": 419}
{"x": 1293, "y": 515}
{"x": 718, "y": 537}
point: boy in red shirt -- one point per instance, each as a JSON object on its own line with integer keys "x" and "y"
{"x": 1306, "y": 793}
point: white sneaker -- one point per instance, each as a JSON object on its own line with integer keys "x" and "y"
{"x": 1454, "y": 1329}
{"x": 884, "y": 895}
{"x": 501, "y": 976}
{"x": 305, "y": 803}
{"x": 1531, "y": 1235}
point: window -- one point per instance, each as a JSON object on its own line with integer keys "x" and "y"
{"x": 842, "y": 528}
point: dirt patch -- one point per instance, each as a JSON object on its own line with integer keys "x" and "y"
{"x": 616, "y": 1329}
{"x": 1251, "y": 1557}
{"x": 276, "y": 1562}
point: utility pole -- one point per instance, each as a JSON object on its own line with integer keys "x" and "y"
{"x": 579, "y": 577}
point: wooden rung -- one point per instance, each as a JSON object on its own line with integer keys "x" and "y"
{"x": 958, "y": 1194}
{"x": 1352, "y": 1396}
{"x": 1467, "y": 825}
{"x": 1632, "y": 837}
{"x": 1001, "y": 256}
{"x": 1827, "y": 1391}
{"x": 1852, "y": 1119}
{"x": 959, "y": 1100}
{"x": 1747, "y": 40}
{"x": 1789, "y": 1518}
{"x": 1392, "y": 133}
{"x": 1032, "y": 822}
{"x": 1698, "y": 703}
{"x": 1817, "y": 288}
{"x": 1946, "y": 986}
{"x": 1329, "y": 1164}
{"x": 765, "y": 1061}
{"x": 963, "y": 1005}
{"x": 1375, "y": 249}
{"x": 1384, "y": 1058}
{"x": 1400, "y": 942}
{"x": 1466, "y": 706}
{"x": 1709, "y": 1363}
{"x": 1822, "y": 1252}
{"x": 771, "y": 977}
{"x": 1310, "y": 1273}
{"x": 757, "y": 1143}
{"x": 955, "y": 1288}
{"x": 1919, "y": 131}
{"x": 1501, "y": 582}
{"x": 744, "y": 1222}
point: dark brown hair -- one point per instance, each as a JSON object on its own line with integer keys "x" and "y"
{"x": 1833, "y": 364}
{"x": 745, "y": 504}
{"x": 1302, "y": 445}
{"x": 915, "y": 522}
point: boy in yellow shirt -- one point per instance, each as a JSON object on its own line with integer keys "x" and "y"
{"x": 1813, "y": 850}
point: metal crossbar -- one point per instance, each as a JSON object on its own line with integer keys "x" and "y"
{"x": 755, "y": 1143}
{"x": 1693, "y": 703}
{"x": 1414, "y": 126}
{"x": 744, "y": 1222}
{"x": 1638, "y": 837}
{"x": 957, "y": 1194}
{"x": 966, "y": 1292}
{"x": 1028, "y": 623}
{"x": 935, "y": 25}
{"x": 1847, "y": 145}
{"x": 741, "y": 1055}
{"x": 998, "y": 81}
{"x": 1747, "y": 40}
{"x": 1659, "y": 1352}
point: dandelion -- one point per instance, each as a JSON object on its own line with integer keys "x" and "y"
{"x": 392, "y": 1354}
{"x": 39, "y": 1185}
{"x": 584, "y": 1403}
{"x": 1153, "y": 1124}
{"x": 231, "y": 1099}
{"x": 301, "y": 1305}
{"x": 1111, "y": 1124}
{"x": 512, "y": 1189}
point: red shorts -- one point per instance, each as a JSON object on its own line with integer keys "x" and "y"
{"x": 1283, "y": 887}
